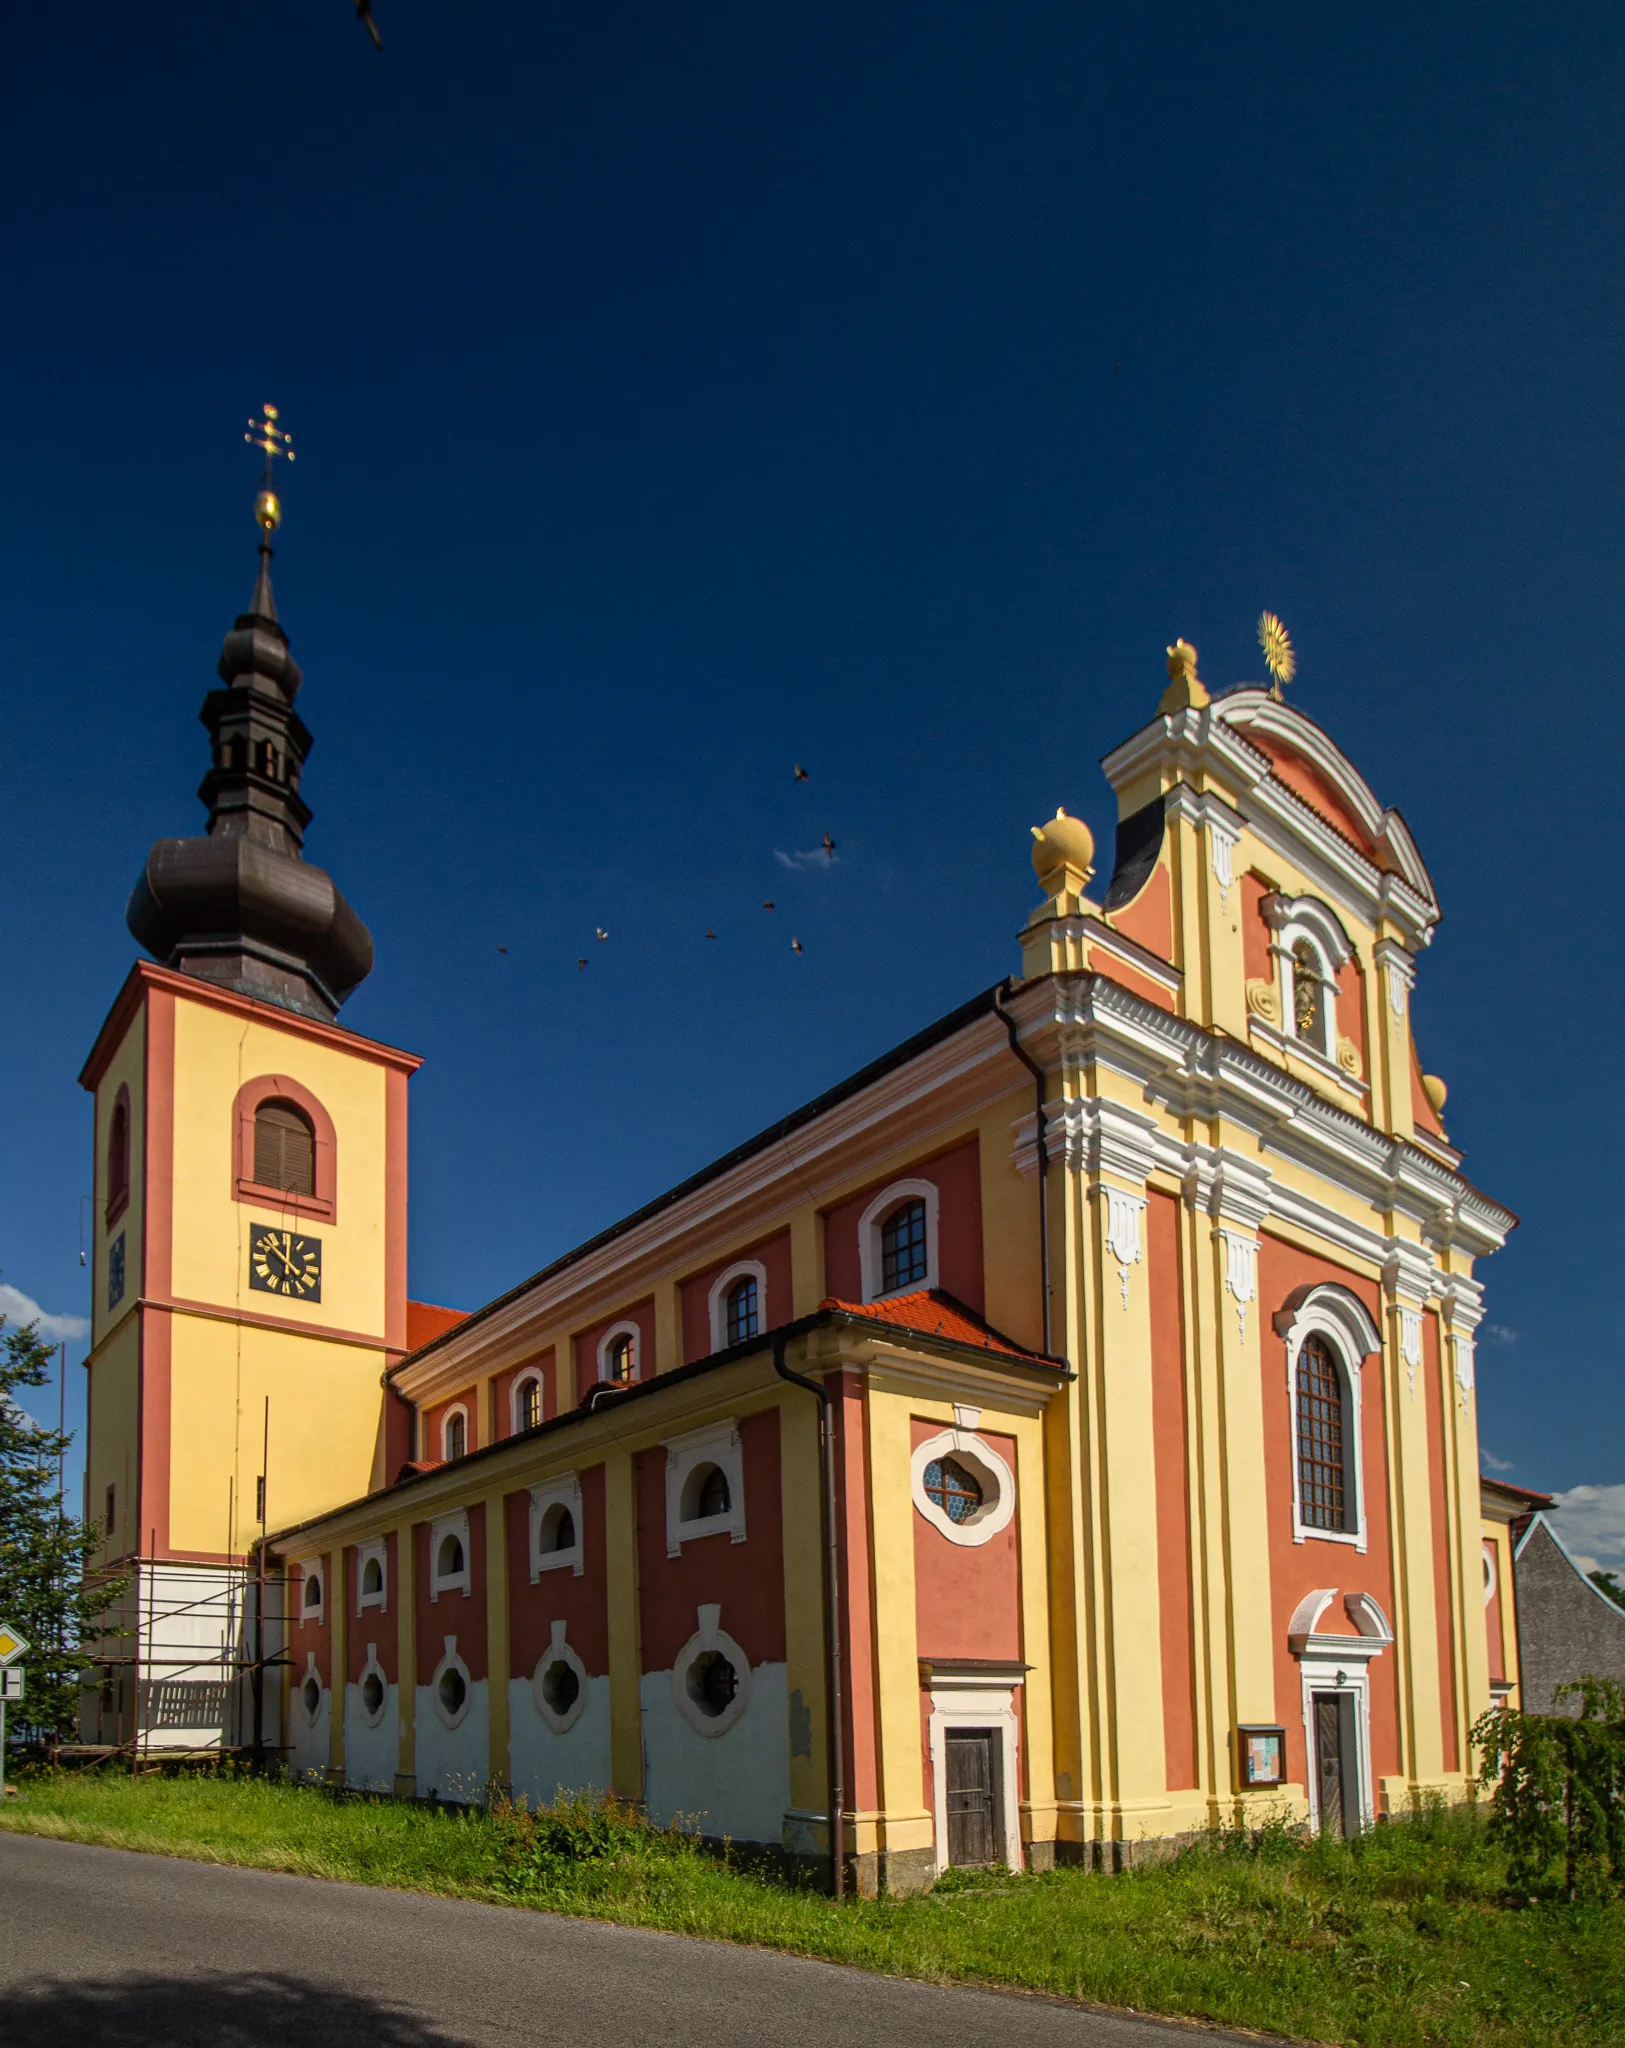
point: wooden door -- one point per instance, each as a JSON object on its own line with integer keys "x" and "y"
{"x": 973, "y": 1831}
{"x": 1337, "y": 1780}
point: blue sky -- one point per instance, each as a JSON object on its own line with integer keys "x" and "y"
{"x": 682, "y": 393}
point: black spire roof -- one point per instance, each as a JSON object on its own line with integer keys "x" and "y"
{"x": 241, "y": 907}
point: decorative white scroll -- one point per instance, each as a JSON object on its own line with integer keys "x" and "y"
{"x": 1241, "y": 1273}
{"x": 1396, "y": 990}
{"x": 1123, "y": 1232}
{"x": 1221, "y": 841}
{"x": 1410, "y": 1342}
{"x": 1464, "y": 1367}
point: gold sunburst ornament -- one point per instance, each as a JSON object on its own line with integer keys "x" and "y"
{"x": 1279, "y": 658}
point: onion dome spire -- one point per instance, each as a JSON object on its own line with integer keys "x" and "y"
{"x": 241, "y": 906}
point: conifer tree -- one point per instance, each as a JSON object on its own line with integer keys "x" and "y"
{"x": 43, "y": 1551}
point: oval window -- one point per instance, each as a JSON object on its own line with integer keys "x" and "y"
{"x": 712, "y": 1683}
{"x": 311, "y": 1693}
{"x": 957, "y": 1491}
{"x": 560, "y": 1686}
{"x": 453, "y": 1689}
{"x": 372, "y": 1693}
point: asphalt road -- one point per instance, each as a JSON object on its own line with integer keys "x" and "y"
{"x": 103, "y": 1949}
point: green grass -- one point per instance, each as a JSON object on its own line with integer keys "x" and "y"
{"x": 1404, "y": 1937}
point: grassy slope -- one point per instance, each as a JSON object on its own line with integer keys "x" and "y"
{"x": 1401, "y": 1939}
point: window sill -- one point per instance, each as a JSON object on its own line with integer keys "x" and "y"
{"x": 280, "y": 1198}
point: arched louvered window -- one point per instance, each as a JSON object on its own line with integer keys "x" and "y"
{"x": 284, "y": 1148}
{"x": 118, "y": 1156}
{"x": 902, "y": 1247}
{"x": 1325, "y": 1490}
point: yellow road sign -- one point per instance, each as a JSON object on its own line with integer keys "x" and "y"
{"x": 12, "y": 1645}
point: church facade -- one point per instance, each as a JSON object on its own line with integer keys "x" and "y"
{"x": 1057, "y": 1438}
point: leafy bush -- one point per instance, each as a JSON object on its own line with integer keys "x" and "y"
{"x": 1560, "y": 1791}
{"x": 581, "y": 1837}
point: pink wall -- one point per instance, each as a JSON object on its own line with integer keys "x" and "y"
{"x": 503, "y": 1389}
{"x": 1173, "y": 1495}
{"x": 746, "y": 1579}
{"x": 581, "y": 1604}
{"x": 313, "y": 1635}
{"x": 377, "y": 1625}
{"x": 967, "y": 1601}
{"x": 958, "y": 1179}
{"x": 1299, "y": 1568}
{"x": 455, "y": 1613}
{"x": 774, "y": 1309}
{"x": 586, "y": 1345}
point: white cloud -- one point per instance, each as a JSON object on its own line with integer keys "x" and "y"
{"x": 805, "y": 863}
{"x": 1495, "y": 1464}
{"x": 20, "y": 1308}
{"x": 1591, "y": 1521}
{"x": 1499, "y": 1333}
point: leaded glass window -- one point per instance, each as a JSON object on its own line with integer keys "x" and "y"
{"x": 955, "y": 1490}
{"x": 1323, "y": 1490}
{"x": 744, "y": 1319}
{"x": 902, "y": 1247}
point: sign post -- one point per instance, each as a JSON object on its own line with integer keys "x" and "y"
{"x": 12, "y": 1646}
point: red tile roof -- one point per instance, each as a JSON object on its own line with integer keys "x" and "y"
{"x": 425, "y": 1322}
{"x": 936, "y": 1314}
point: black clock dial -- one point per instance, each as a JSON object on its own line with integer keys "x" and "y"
{"x": 281, "y": 1262}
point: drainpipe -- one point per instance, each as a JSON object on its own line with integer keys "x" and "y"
{"x": 1037, "y": 1073}
{"x": 832, "y": 1615}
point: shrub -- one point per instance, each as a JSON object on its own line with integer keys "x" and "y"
{"x": 1559, "y": 1784}
{"x": 583, "y": 1834}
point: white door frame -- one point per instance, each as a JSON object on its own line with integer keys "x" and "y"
{"x": 976, "y": 1699}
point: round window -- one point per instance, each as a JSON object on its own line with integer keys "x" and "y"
{"x": 311, "y": 1693}
{"x": 560, "y": 1686}
{"x": 955, "y": 1489}
{"x": 712, "y": 1683}
{"x": 372, "y": 1693}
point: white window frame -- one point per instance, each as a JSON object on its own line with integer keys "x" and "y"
{"x": 871, "y": 1259}
{"x": 722, "y": 1286}
{"x": 455, "y": 1408}
{"x": 312, "y": 1714}
{"x": 365, "y": 1553}
{"x": 369, "y": 1719}
{"x": 565, "y": 1492}
{"x": 559, "y": 1651}
{"x": 1306, "y": 918}
{"x": 975, "y": 1699}
{"x": 450, "y": 1660}
{"x": 717, "y": 1444}
{"x": 1492, "y": 1571}
{"x": 625, "y": 1328}
{"x": 311, "y": 1568}
{"x": 532, "y": 1374}
{"x": 453, "y": 1524}
{"x": 998, "y": 1484}
{"x": 1338, "y": 1663}
{"x": 1340, "y": 1318}
{"x": 709, "y": 1636}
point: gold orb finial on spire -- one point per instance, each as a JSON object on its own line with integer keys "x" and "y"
{"x": 268, "y": 435}
{"x": 1279, "y": 657}
{"x": 1186, "y": 690}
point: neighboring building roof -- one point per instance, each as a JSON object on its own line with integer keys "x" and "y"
{"x": 1496, "y": 1495}
{"x": 425, "y": 1322}
{"x": 1567, "y": 1627}
{"x": 932, "y": 1313}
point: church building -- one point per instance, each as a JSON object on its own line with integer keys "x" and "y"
{"x": 1056, "y": 1438}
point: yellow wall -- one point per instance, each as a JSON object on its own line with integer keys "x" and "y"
{"x": 127, "y": 1068}
{"x": 215, "y": 1053}
{"x": 114, "y": 1393}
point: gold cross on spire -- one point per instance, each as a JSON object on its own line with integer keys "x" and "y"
{"x": 275, "y": 440}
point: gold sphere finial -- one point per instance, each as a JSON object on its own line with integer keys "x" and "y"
{"x": 271, "y": 438}
{"x": 268, "y": 512}
{"x": 1063, "y": 854}
{"x": 1185, "y": 691}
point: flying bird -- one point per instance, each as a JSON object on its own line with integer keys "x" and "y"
{"x": 801, "y": 774}
{"x": 502, "y": 949}
{"x": 795, "y": 946}
{"x": 709, "y": 933}
{"x": 599, "y": 932}
{"x": 363, "y": 14}
{"x": 829, "y": 847}
{"x": 581, "y": 963}
{"x": 767, "y": 902}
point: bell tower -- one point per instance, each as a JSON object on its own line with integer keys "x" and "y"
{"x": 250, "y": 1207}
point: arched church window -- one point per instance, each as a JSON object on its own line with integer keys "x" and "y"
{"x": 118, "y": 1156}
{"x": 902, "y": 1247}
{"x": 1308, "y": 996}
{"x": 372, "y": 1578}
{"x": 1324, "y": 1492}
{"x": 449, "y": 1564}
{"x": 622, "y": 1357}
{"x": 744, "y": 1317}
{"x": 454, "y": 1438}
{"x": 284, "y": 1148}
{"x": 527, "y": 1403}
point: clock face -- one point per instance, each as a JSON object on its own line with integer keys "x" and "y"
{"x": 279, "y": 1262}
